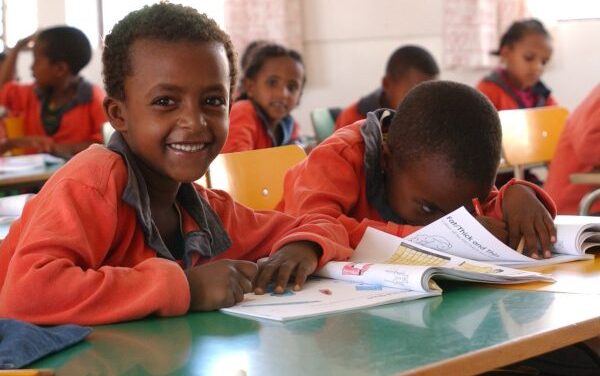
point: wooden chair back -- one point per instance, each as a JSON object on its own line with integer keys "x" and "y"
{"x": 254, "y": 178}
{"x": 530, "y": 136}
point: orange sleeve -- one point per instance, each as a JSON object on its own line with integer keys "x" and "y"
{"x": 58, "y": 272}
{"x": 11, "y": 96}
{"x": 493, "y": 205}
{"x": 492, "y": 92}
{"x": 242, "y": 128}
{"x": 585, "y": 130}
{"x": 348, "y": 116}
{"x": 256, "y": 234}
{"x": 327, "y": 182}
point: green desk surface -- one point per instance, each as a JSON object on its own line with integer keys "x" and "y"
{"x": 467, "y": 330}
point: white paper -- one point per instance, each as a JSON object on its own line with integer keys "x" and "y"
{"x": 27, "y": 162}
{"x": 318, "y": 297}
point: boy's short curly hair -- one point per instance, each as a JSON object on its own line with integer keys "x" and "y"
{"x": 449, "y": 120}
{"x": 411, "y": 57}
{"x": 68, "y": 44}
{"x": 161, "y": 22}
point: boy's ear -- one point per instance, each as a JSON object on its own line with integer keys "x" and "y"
{"x": 114, "y": 110}
{"x": 62, "y": 68}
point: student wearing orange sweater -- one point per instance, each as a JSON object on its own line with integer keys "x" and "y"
{"x": 407, "y": 67}
{"x": 578, "y": 150}
{"x": 398, "y": 172}
{"x": 524, "y": 51}
{"x": 120, "y": 233}
{"x": 62, "y": 112}
{"x": 273, "y": 82}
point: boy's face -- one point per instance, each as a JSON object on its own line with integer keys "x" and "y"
{"x": 45, "y": 72}
{"x": 526, "y": 59}
{"x": 176, "y": 108}
{"x": 428, "y": 189}
{"x": 395, "y": 89}
{"x": 277, "y": 86}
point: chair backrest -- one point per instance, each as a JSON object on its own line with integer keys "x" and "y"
{"x": 530, "y": 136}
{"x": 254, "y": 178}
{"x": 323, "y": 122}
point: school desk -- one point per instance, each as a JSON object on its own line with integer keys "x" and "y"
{"x": 587, "y": 200}
{"x": 467, "y": 330}
{"x": 33, "y": 177}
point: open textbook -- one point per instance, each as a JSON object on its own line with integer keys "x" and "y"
{"x": 384, "y": 269}
{"x": 460, "y": 234}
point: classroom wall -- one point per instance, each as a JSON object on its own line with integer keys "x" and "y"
{"x": 347, "y": 43}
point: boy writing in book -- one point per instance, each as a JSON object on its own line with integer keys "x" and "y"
{"x": 120, "y": 233}
{"x": 62, "y": 112}
{"x": 399, "y": 171}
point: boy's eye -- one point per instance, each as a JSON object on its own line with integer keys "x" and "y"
{"x": 427, "y": 209}
{"x": 163, "y": 102}
{"x": 215, "y": 101}
{"x": 293, "y": 87}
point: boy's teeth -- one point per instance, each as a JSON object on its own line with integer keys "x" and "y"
{"x": 188, "y": 147}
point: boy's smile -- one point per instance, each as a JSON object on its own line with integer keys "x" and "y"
{"x": 176, "y": 109}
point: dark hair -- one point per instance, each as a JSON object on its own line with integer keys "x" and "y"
{"x": 68, "y": 44}
{"x": 449, "y": 120}
{"x": 250, "y": 49}
{"x": 518, "y": 30}
{"x": 407, "y": 57}
{"x": 160, "y": 22}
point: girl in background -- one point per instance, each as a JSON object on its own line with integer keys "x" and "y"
{"x": 273, "y": 81}
{"x": 524, "y": 51}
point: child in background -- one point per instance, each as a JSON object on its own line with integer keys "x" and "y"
{"x": 62, "y": 112}
{"x": 524, "y": 51}
{"x": 120, "y": 233}
{"x": 251, "y": 48}
{"x": 407, "y": 67}
{"x": 441, "y": 149}
{"x": 578, "y": 150}
{"x": 273, "y": 80}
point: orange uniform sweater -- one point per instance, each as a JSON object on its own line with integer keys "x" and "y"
{"x": 79, "y": 253}
{"x": 332, "y": 181}
{"x": 578, "y": 150}
{"x": 81, "y": 123}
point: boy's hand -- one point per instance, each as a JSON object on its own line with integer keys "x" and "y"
{"x": 26, "y": 41}
{"x": 299, "y": 258}
{"x": 495, "y": 226}
{"x": 527, "y": 217}
{"x": 219, "y": 284}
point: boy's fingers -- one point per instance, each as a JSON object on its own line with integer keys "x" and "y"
{"x": 302, "y": 273}
{"x": 544, "y": 237}
{"x": 245, "y": 284}
{"x": 283, "y": 276}
{"x": 263, "y": 278}
{"x": 531, "y": 239}
{"x": 247, "y": 268}
{"x": 514, "y": 236}
{"x": 551, "y": 228}
{"x": 237, "y": 294}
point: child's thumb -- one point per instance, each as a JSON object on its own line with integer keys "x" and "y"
{"x": 247, "y": 268}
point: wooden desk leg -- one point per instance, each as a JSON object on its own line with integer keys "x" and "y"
{"x": 587, "y": 201}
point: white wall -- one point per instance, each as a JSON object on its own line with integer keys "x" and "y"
{"x": 347, "y": 43}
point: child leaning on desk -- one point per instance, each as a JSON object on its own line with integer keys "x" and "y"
{"x": 397, "y": 171}
{"x": 120, "y": 233}
{"x": 61, "y": 112}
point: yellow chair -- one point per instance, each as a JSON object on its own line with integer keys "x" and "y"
{"x": 254, "y": 178}
{"x": 530, "y": 136}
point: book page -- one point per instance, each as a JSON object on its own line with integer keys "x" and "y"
{"x": 320, "y": 296}
{"x": 378, "y": 247}
{"x": 460, "y": 234}
{"x": 576, "y": 234}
